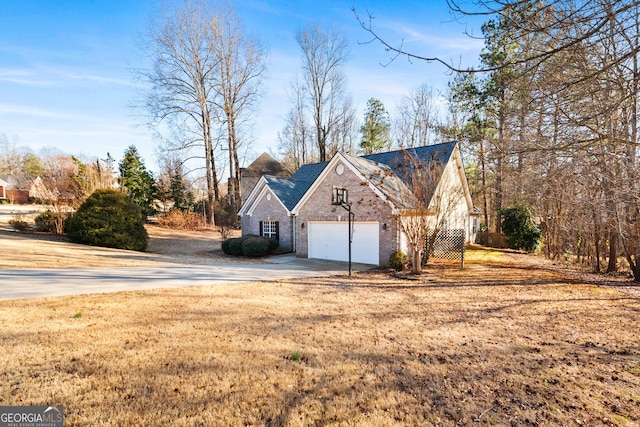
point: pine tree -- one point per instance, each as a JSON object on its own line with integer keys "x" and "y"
{"x": 375, "y": 130}
{"x": 137, "y": 182}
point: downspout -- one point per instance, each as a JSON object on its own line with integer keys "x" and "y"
{"x": 294, "y": 235}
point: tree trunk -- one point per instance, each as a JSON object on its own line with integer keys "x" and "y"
{"x": 210, "y": 167}
{"x": 416, "y": 261}
{"x": 613, "y": 253}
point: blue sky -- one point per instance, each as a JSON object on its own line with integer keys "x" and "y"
{"x": 66, "y": 79}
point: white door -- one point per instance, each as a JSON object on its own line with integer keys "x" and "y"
{"x": 330, "y": 240}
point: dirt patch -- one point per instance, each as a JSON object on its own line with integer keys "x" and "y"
{"x": 510, "y": 340}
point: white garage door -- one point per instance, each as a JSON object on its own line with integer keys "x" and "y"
{"x": 329, "y": 240}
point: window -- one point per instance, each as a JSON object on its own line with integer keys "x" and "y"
{"x": 269, "y": 229}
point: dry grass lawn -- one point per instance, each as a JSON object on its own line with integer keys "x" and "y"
{"x": 508, "y": 341}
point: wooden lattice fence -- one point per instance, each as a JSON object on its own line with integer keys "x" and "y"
{"x": 447, "y": 244}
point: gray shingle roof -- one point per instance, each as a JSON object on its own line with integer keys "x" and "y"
{"x": 384, "y": 179}
{"x": 388, "y": 172}
{"x": 291, "y": 190}
{"x": 397, "y": 160}
{"x": 18, "y": 182}
{"x": 391, "y": 172}
{"x": 265, "y": 165}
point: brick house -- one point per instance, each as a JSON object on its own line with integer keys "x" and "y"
{"x": 22, "y": 189}
{"x": 298, "y": 212}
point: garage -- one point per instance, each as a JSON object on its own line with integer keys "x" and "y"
{"x": 329, "y": 240}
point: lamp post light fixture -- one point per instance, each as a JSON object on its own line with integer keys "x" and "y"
{"x": 340, "y": 197}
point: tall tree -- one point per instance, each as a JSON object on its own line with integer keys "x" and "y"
{"x": 376, "y": 128}
{"x": 136, "y": 181}
{"x": 295, "y": 139}
{"x": 416, "y": 117}
{"x": 323, "y": 57}
{"x": 181, "y": 83}
{"x": 240, "y": 70}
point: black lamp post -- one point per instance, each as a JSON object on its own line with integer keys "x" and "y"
{"x": 340, "y": 197}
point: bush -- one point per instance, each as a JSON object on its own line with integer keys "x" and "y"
{"x": 249, "y": 245}
{"x": 52, "y": 222}
{"x": 518, "y": 226}
{"x": 181, "y": 220}
{"x": 109, "y": 218}
{"x": 398, "y": 260}
{"x": 255, "y": 247}
{"x": 235, "y": 246}
{"x": 225, "y": 246}
{"x": 19, "y": 224}
{"x": 273, "y": 245}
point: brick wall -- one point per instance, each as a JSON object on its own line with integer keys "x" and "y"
{"x": 365, "y": 204}
{"x": 270, "y": 210}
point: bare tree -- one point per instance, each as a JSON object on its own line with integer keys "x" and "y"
{"x": 295, "y": 137}
{"x": 548, "y": 21}
{"x": 181, "y": 83}
{"x": 323, "y": 57}
{"x": 434, "y": 197}
{"x": 344, "y": 131}
{"x": 241, "y": 68}
{"x": 416, "y": 118}
{"x": 10, "y": 156}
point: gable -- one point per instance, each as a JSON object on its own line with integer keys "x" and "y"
{"x": 287, "y": 191}
{"x": 265, "y": 164}
{"x": 18, "y": 182}
{"x": 356, "y": 177}
{"x": 268, "y": 204}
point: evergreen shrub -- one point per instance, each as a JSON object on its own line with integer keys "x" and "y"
{"x": 235, "y": 246}
{"x": 225, "y": 246}
{"x": 255, "y": 247}
{"x": 109, "y": 218}
{"x": 398, "y": 260}
{"x": 520, "y": 229}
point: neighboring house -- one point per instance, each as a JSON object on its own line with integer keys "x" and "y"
{"x": 3, "y": 189}
{"x": 298, "y": 212}
{"x": 22, "y": 189}
{"x": 263, "y": 165}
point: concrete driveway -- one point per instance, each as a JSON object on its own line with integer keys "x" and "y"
{"x": 16, "y": 284}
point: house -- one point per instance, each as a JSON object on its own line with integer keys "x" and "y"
{"x": 263, "y": 165}
{"x": 23, "y": 189}
{"x": 3, "y": 189}
{"x": 382, "y": 192}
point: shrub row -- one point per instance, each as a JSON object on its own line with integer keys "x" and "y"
{"x": 249, "y": 245}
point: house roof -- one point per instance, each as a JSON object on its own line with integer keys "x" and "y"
{"x": 402, "y": 161}
{"x": 388, "y": 172}
{"x": 384, "y": 179}
{"x": 291, "y": 190}
{"x": 265, "y": 164}
{"x": 391, "y": 172}
{"x": 18, "y": 182}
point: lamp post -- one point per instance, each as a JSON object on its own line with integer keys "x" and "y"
{"x": 340, "y": 197}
